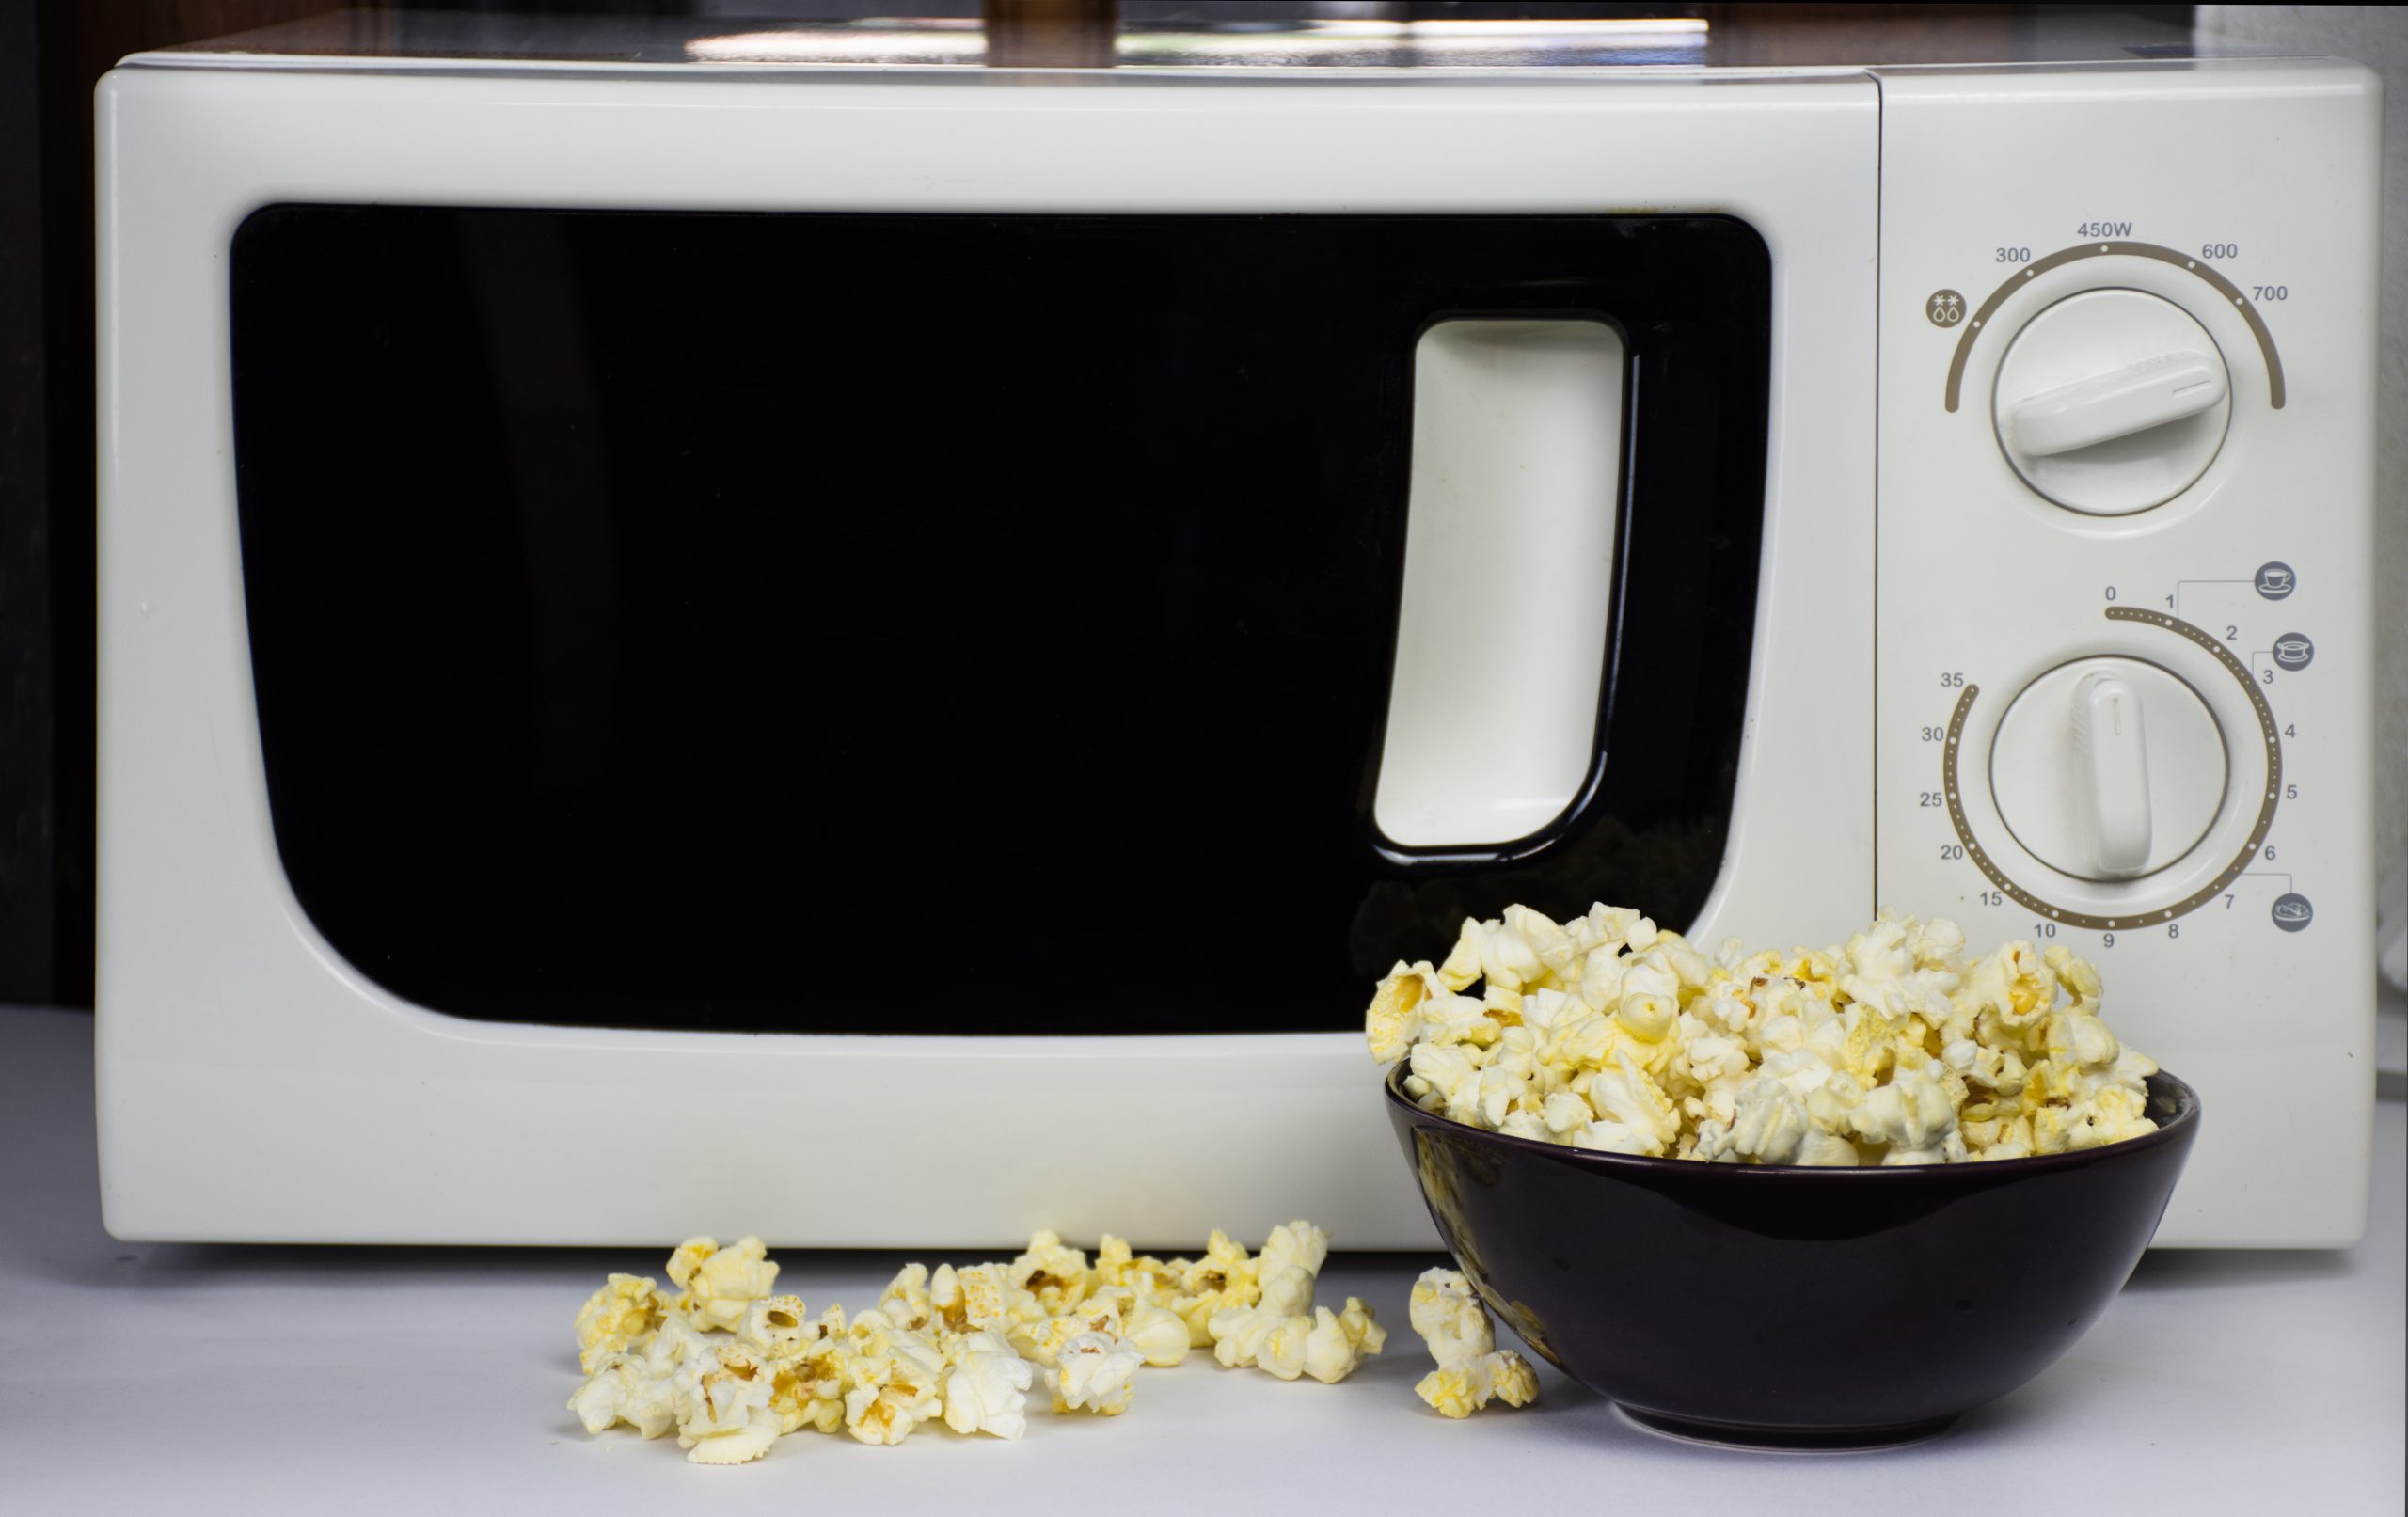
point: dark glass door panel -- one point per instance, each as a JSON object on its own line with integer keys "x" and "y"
{"x": 931, "y": 623}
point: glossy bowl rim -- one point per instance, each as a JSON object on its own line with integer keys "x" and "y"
{"x": 2186, "y": 1116}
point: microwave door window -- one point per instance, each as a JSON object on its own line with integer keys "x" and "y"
{"x": 976, "y": 624}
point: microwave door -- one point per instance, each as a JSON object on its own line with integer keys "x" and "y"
{"x": 987, "y": 624}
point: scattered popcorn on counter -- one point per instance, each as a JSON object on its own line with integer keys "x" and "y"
{"x": 1606, "y": 1033}
{"x": 732, "y": 1368}
{"x": 1472, "y": 1371}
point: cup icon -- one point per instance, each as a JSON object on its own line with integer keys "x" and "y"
{"x": 2276, "y": 580}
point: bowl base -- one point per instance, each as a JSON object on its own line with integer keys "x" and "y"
{"x": 1785, "y": 1439}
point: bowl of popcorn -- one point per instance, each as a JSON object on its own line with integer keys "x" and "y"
{"x": 1820, "y": 1198}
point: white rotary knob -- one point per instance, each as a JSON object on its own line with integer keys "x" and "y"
{"x": 2108, "y": 768}
{"x": 2111, "y": 402}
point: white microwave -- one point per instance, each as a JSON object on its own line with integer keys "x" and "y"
{"x": 763, "y": 635}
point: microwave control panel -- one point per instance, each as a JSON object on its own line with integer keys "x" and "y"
{"x": 2124, "y": 630}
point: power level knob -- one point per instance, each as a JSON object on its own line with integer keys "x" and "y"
{"x": 2112, "y": 401}
{"x": 2108, "y": 768}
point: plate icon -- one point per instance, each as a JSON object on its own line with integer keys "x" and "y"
{"x": 2292, "y": 913}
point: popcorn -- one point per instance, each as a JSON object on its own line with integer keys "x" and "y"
{"x": 1472, "y": 1371}
{"x": 623, "y": 1388}
{"x": 1394, "y": 1022}
{"x": 1298, "y": 1245}
{"x": 1055, "y": 1275}
{"x": 719, "y": 1283}
{"x": 1340, "y": 1341}
{"x": 723, "y": 1401}
{"x": 1606, "y": 1033}
{"x": 747, "y": 1443}
{"x": 986, "y": 1389}
{"x": 1093, "y": 1373}
{"x": 886, "y": 1397}
{"x": 1282, "y": 1350}
{"x": 1282, "y": 1332}
{"x": 1043, "y": 1340}
{"x": 807, "y": 1385}
{"x": 627, "y": 1307}
{"x": 1223, "y": 1278}
{"x": 1459, "y": 1390}
{"x": 1449, "y": 1317}
{"x": 778, "y": 1327}
{"x": 673, "y": 1342}
{"x": 981, "y": 1298}
{"x": 1154, "y": 1281}
{"x": 1157, "y": 1334}
{"x": 732, "y": 1367}
{"x": 907, "y": 1301}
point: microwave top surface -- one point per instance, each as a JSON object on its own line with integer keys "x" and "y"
{"x": 447, "y": 41}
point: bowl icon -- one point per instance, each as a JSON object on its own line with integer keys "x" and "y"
{"x": 2292, "y": 650}
{"x": 1727, "y": 1301}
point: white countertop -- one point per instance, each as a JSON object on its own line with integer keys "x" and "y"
{"x": 139, "y": 1377}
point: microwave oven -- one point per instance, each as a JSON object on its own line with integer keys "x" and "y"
{"x": 753, "y": 634}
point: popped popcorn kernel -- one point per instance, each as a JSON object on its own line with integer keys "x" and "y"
{"x": 1608, "y": 1034}
{"x": 1055, "y": 1275}
{"x": 626, "y": 1308}
{"x": 747, "y": 1443}
{"x": 1457, "y": 1391}
{"x": 777, "y": 1327}
{"x": 1340, "y": 1341}
{"x": 723, "y": 1394}
{"x": 1223, "y": 1278}
{"x": 986, "y": 1388}
{"x": 1449, "y": 1317}
{"x": 890, "y": 1380}
{"x": 719, "y": 1282}
{"x": 1157, "y": 1334}
{"x": 1093, "y": 1373}
{"x": 1041, "y": 1340}
{"x": 621, "y": 1387}
{"x": 907, "y": 1301}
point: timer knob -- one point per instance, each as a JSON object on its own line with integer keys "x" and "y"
{"x": 2108, "y": 768}
{"x": 2111, "y": 402}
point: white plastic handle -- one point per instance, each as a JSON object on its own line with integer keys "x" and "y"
{"x": 2116, "y": 404}
{"x": 1509, "y": 568}
{"x": 2109, "y": 734}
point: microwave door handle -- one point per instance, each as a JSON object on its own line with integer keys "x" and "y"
{"x": 1511, "y": 536}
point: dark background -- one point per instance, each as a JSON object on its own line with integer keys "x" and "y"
{"x": 50, "y": 55}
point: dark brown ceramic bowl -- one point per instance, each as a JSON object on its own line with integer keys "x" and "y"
{"x": 1795, "y": 1307}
